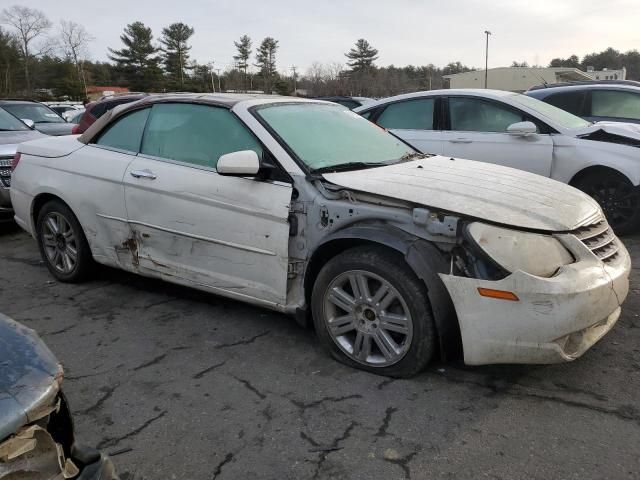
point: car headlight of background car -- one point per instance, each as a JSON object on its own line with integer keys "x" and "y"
{"x": 513, "y": 250}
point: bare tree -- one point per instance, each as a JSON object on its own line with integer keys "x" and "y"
{"x": 75, "y": 40}
{"x": 29, "y": 24}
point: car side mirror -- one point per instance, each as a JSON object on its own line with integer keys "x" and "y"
{"x": 28, "y": 122}
{"x": 522, "y": 128}
{"x": 244, "y": 163}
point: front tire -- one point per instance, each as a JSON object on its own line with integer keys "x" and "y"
{"x": 62, "y": 243}
{"x": 371, "y": 312}
{"x": 618, "y": 198}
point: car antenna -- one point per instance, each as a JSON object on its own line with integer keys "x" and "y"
{"x": 544, "y": 82}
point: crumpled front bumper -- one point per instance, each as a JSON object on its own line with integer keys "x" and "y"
{"x": 555, "y": 320}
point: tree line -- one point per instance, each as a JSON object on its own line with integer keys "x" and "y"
{"x": 37, "y": 57}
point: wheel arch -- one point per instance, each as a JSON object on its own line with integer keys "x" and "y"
{"x": 595, "y": 169}
{"x": 424, "y": 259}
{"x": 40, "y": 200}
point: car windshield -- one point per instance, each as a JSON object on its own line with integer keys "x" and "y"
{"x": 325, "y": 136}
{"x": 10, "y": 123}
{"x": 34, "y": 111}
{"x": 561, "y": 117}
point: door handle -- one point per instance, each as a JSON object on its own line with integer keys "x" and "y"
{"x": 146, "y": 173}
{"x": 460, "y": 140}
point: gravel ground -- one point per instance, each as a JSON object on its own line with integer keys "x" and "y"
{"x": 183, "y": 385}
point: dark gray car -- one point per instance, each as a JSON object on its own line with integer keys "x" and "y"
{"x": 36, "y": 429}
{"x": 12, "y": 133}
{"x": 596, "y": 102}
{"x": 44, "y": 119}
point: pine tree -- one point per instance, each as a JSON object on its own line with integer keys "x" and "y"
{"x": 361, "y": 57}
{"x": 242, "y": 58}
{"x": 138, "y": 60}
{"x": 266, "y": 61}
{"x": 175, "y": 50}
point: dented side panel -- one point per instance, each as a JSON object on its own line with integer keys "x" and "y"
{"x": 226, "y": 233}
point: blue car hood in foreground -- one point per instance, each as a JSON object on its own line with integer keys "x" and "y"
{"x": 30, "y": 376}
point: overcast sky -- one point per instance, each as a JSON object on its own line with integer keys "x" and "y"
{"x": 404, "y": 31}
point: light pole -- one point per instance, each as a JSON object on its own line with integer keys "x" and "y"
{"x": 293, "y": 69}
{"x": 219, "y": 87}
{"x": 213, "y": 86}
{"x": 486, "y": 59}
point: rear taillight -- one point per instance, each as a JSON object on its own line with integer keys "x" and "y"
{"x": 74, "y": 130}
{"x": 15, "y": 161}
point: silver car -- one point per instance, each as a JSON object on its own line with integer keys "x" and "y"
{"x": 12, "y": 133}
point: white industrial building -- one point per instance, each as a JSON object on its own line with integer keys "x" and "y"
{"x": 607, "y": 74}
{"x": 516, "y": 79}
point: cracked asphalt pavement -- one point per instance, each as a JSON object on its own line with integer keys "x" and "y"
{"x": 179, "y": 384}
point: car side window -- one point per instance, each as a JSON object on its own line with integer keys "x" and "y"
{"x": 477, "y": 115}
{"x": 126, "y": 132}
{"x": 408, "y": 115}
{"x": 195, "y": 134}
{"x": 571, "y": 102}
{"x": 615, "y": 103}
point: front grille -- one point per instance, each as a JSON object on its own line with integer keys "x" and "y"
{"x": 5, "y": 171}
{"x": 600, "y": 239}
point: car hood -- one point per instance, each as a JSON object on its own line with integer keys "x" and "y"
{"x": 55, "y": 129}
{"x": 30, "y": 376}
{"x": 480, "y": 190}
{"x": 10, "y": 140}
{"x": 630, "y": 130}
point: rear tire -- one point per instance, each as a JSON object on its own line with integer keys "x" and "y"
{"x": 619, "y": 199}
{"x": 372, "y": 312}
{"x": 62, "y": 243}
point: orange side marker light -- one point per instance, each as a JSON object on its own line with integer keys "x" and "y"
{"x": 499, "y": 294}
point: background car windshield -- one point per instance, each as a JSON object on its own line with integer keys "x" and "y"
{"x": 328, "y": 135}
{"x": 9, "y": 122}
{"x": 35, "y": 112}
{"x": 560, "y": 117}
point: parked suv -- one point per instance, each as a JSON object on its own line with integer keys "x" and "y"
{"x": 596, "y": 102}
{"x": 95, "y": 110}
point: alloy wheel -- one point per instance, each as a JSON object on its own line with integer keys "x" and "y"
{"x": 59, "y": 242}
{"x": 367, "y": 318}
{"x": 619, "y": 199}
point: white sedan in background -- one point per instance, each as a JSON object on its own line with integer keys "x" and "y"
{"x": 505, "y": 128}
{"x": 306, "y": 208}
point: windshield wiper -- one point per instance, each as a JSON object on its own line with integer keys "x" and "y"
{"x": 341, "y": 167}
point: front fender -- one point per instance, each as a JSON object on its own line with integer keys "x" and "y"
{"x": 426, "y": 261}
{"x": 570, "y": 158}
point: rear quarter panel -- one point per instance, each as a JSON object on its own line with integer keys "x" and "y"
{"x": 89, "y": 181}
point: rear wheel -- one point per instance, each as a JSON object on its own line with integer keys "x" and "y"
{"x": 62, "y": 243}
{"x": 619, "y": 199}
{"x": 372, "y": 312}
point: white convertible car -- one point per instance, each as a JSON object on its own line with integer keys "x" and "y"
{"x": 307, "y": 208}
{"x": 601, "y": 159}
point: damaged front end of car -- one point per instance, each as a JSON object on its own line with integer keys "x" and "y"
{"x": 498, "y": 293}
{"x": 36, "y": 428}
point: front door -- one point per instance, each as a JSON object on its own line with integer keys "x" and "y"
{"x": 478, "y": 131}
{"x": 229, "y": 234}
